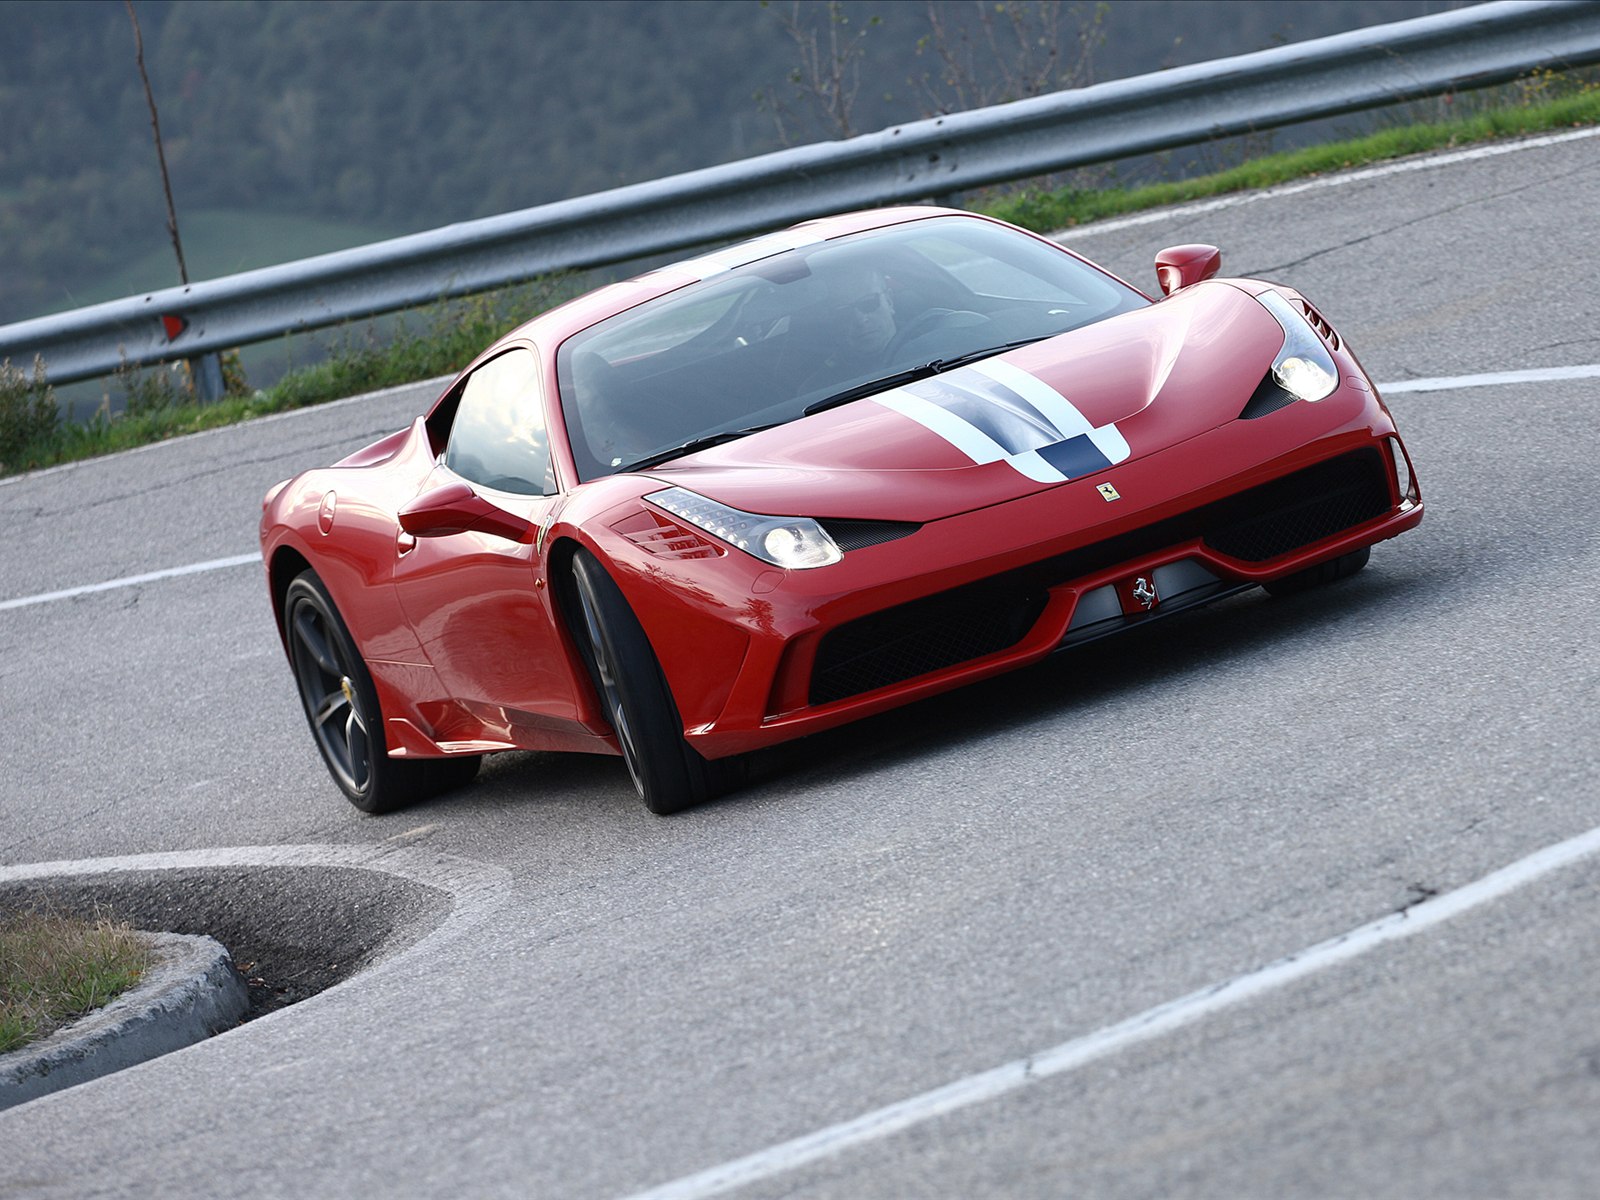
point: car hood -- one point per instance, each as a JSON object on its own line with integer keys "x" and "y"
{"x": 1037, "y": 417}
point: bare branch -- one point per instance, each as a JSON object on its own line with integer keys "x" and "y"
{"x": 998, "y": 52}
{"x": 827, "y": 76}
{"x": 161, "y": 154}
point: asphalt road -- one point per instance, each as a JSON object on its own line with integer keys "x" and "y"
{"x": 619, "y": 1001}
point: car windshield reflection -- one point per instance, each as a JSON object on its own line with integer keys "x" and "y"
{"x": 812, "y": 326}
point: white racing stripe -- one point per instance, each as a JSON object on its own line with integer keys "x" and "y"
{"x": 965, "y": 437}
{"x": 1146, "y": 1026}
{"x": 215, "y": 564}
{"x": 1107, "y": 439}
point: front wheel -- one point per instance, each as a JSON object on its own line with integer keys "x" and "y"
{"x": 341, "y": 707}
{"x": 667, "y": 773}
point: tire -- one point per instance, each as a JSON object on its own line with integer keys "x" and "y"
{"x": 1322, "y": 573}
{"x": 341, "y": 706}
{"x": 667, "y": 772}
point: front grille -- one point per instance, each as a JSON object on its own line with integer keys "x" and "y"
{"x": 1302, "y": 508}
{"x": 921, "y": 637}
{"x": 968, "y": 623}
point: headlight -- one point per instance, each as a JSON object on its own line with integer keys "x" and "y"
{"x": 1303, "y": 368}
{"x": 793, "y": 542}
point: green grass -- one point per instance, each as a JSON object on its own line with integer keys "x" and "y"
{"x": 1061, "y": 209}
{"x": 54, "y": 969}
{"x": 160, "y": 402}
{"x": 441, "y": 340}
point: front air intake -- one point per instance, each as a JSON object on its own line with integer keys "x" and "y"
{"x": 965, "y": 624}
{"x": 1302, "y": 508}
{"x": 921, "y": 637}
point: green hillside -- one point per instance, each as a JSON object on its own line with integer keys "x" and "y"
{"x": 293, "y": 127}
{"x": 222, "y": 242}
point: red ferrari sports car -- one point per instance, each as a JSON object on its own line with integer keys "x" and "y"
{"x": 808, "y": 478}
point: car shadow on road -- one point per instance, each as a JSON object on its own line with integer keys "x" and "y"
{"x": 1249, "y": 629}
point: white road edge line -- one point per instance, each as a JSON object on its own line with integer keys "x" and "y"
{"x": 1427, "y": 162}
{"x": 1448, "y": 383}
{"x": 1440, "y": 384}
{"x": 215, "y": 564}
{"x": 1152, "y": 1023}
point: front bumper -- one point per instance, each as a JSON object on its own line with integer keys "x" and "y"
{"x": 984, "y": 592}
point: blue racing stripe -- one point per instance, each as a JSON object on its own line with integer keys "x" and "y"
{"x": 1075, "y": 457}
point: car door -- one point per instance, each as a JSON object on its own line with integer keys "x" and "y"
{"x": 480, "y": 603}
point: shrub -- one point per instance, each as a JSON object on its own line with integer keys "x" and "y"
{"x": 28, "y": 412}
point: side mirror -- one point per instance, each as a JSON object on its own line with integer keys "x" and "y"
{"x": 456, "y": 508}
{"x": 1179, "y": 266}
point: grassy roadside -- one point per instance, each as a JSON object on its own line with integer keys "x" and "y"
{"x": 161, "y": 405}
{"x": 1051, "y": 210}
{"x": 160, "y": 402}
{"x": 54, "y": 969}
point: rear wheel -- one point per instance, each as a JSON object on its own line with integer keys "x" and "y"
{"x": 667, "y": 773}
{"x": 1336, "y": 568}
{"x": 341, "y": 707}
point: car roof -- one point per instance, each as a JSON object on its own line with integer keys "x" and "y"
{"x": 555, "y": 326}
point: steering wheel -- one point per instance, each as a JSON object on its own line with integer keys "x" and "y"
{"x": 928, "y": 330}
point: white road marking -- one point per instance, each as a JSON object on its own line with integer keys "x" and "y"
{"x": 1077, "y": 232}
{"x": 986, "y": 451}
{"x": 1448, "y": 383}
{"x": 1152, "y": 1023}
{"x": 215, "y": 564}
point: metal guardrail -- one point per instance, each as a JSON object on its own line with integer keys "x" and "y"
{"x": 1464, "y": 48}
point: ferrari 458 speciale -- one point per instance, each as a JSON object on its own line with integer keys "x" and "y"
{"x": 763, "y": 492}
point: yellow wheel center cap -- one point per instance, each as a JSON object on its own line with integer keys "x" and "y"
{"x": 349, "y": 692}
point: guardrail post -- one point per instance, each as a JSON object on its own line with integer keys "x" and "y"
{"x": 206, "y": 372}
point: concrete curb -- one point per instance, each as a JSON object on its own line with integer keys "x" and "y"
{"x": 190, "y": 993}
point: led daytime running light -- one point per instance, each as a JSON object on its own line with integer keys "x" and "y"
{"x": 795, "y": 543}
{"x": 1303, "y": 366}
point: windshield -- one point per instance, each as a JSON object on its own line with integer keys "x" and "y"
{"x": 759, "y": 344}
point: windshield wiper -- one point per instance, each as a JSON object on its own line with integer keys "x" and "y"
{"x": 937, "y": 366}
{"x": 704, "y": 442}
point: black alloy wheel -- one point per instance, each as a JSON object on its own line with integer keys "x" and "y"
{"x": 341, "y": 706}
{"x": 667, "y": 773}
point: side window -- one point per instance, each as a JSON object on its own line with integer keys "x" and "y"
{"x": 498, "y": 437}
